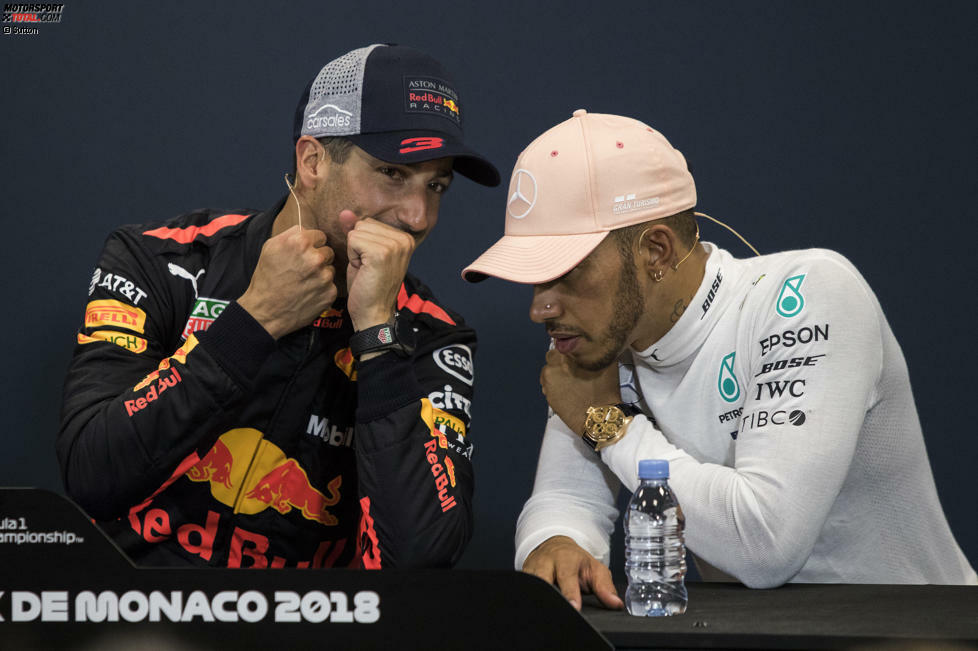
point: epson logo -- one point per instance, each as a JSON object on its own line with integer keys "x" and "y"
{"x": 456, "y": 360}
{"x": 789, "y": 338}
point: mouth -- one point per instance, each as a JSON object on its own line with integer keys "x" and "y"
{"x": 565, "y": 342}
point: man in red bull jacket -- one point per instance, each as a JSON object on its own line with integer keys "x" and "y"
{"x": 273, "y": 389}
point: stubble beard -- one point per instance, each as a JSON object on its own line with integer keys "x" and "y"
{"x": 628, "y": 308}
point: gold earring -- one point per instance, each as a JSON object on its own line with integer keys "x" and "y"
{"x": 657, "y": 276}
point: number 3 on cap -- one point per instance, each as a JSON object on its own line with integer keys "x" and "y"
{"x": 420, "y": 144}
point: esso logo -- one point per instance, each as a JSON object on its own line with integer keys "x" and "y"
{"x": 456, "y": 360}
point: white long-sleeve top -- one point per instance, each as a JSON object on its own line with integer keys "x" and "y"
{"x": 782, "y": 401}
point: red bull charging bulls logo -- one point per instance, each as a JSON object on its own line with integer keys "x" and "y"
{"x": 250, "y": 474}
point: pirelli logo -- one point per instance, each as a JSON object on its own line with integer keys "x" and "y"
{"x": 108, "y": 312}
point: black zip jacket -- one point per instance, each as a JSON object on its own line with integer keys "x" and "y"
{"x": 193, "y": 437}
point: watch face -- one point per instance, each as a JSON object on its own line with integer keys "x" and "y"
{"x": 603, "y": 423}
{"x": 405, "y": 334}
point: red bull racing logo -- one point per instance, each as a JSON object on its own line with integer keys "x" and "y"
{"x": 287, "y": 486}
{"x": 180, "y": 355}
{"x": 215, "y": 466}
{"x": 250, "y": 474}
{"x": 443, "y": 473}
{"x": 331, "y": 319}
{"x": 345, "y": 362}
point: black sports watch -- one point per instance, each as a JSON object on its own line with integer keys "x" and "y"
{"x": 397, "y": 337}
{"x": 607, "y": 424}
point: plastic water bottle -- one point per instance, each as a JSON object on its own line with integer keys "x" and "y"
{"x": 655, "y": 552}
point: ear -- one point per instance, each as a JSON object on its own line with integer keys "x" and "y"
{"x": 311, "y": 162}
{"x": 657, "y": 245}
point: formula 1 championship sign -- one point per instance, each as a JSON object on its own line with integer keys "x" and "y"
{"x": 63, "y": 584}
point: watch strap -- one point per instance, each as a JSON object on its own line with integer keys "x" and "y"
{"x": 375, "y": 339}
{"x": 629, "y": 409}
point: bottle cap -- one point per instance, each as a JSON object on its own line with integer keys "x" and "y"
{"x": 653, "y": 469}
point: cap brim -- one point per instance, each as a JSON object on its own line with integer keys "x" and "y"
{"x": 390, "y": 146}
{"x": 532, "y": 259}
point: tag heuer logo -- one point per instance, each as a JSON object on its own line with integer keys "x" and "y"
{"x": 203, "y": 314}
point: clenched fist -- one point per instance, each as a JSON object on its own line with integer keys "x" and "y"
{"x": 379, "y": 255}
{"x": 570, "y": 389}
{"x": 292, "y": 283}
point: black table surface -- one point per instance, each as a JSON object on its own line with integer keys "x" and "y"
{"x": 795, "y": 616}
{"x": 52, "y": 554}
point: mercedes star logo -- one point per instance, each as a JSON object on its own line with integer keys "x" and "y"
{"x": 524, "y": 197}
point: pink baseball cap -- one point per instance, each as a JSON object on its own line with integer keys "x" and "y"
{"x": 573, "y": 185}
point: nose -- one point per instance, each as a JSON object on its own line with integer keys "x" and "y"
{"x": 414, "y": 211}
{"x": 544, "y": 305}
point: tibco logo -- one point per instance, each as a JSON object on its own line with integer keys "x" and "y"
{"x": 763, "y": 418}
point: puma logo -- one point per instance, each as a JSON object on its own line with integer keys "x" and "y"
{"x": 180, "y": 272}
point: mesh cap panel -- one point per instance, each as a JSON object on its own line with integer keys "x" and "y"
{"x": 336, "y": 96}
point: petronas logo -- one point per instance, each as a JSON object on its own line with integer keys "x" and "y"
{"x": 790, "y": 300}
{"x": 727, "y": 381}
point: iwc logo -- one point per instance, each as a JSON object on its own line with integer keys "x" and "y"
{"x": 524, "y": 195}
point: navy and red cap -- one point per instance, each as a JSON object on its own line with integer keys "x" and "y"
{"x": 396, "y": 103}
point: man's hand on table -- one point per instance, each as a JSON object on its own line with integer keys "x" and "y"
{"x": 562, "y": 562}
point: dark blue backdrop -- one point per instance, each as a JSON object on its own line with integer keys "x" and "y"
{"x": 842, "y": 125}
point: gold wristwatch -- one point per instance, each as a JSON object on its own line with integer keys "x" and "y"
{"x": 607, "y": 424}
